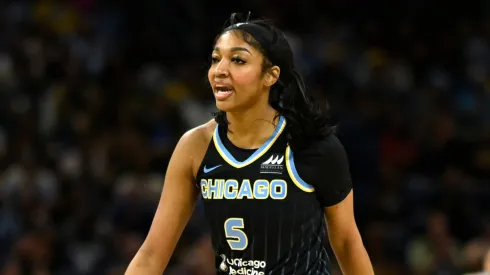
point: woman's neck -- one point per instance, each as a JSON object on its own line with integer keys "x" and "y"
{"x": 250, "y": 129}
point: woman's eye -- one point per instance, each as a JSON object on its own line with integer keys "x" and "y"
{"x": 238, "y": 60}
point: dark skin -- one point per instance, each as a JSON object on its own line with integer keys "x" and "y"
{"x": 238, "y": 65}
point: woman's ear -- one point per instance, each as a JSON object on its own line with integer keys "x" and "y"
{"x": 272, "y": 76}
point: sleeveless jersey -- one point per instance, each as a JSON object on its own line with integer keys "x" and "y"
{"x": 264, "y": 219}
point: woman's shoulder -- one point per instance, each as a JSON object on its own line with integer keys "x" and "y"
{"x": 325, "y": 145}
{"x": 194, "y": 144}
{"x": 201, "y": 135}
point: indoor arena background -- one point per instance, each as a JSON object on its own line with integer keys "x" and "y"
{"x": 95, "y": 94}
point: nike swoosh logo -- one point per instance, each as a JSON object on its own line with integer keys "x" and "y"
{"x": 207, "y": 170}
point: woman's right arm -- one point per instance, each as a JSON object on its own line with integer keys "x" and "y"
{"x": 175, "y": 208}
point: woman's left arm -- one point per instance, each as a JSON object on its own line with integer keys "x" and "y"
{"x": 325, "y": 166}
{"x": 345, "y": 239}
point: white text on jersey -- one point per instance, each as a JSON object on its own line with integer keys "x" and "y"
{"x": 261, "y": 189}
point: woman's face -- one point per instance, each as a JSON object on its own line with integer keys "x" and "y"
{"x": 236, "y": 74}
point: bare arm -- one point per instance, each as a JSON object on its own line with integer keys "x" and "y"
{"x": 345, "y": 238}
{"x": 176, "y": 205}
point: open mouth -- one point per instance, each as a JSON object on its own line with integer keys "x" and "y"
{"x": 222, "y": 92}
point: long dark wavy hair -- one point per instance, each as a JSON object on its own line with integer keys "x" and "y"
{"x": 306, "y": 121}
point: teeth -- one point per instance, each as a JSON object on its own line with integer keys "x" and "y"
{"x": 223, "y": 89}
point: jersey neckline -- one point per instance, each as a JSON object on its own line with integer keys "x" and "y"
{"x": 228, "y": 157}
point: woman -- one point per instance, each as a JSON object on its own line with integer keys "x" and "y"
{"x": 268, "y": 168}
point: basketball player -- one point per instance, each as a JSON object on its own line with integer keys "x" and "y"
{"x": 268, "y": 168}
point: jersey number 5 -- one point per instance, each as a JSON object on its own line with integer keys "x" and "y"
{"x": 236, "y": 238}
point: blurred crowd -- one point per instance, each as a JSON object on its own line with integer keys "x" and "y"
{"x": 95, "y": 94}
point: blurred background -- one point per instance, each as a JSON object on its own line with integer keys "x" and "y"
{"x": 95, "y": 94}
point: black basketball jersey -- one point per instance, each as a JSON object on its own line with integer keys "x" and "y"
{"x": 264, "y": 218}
